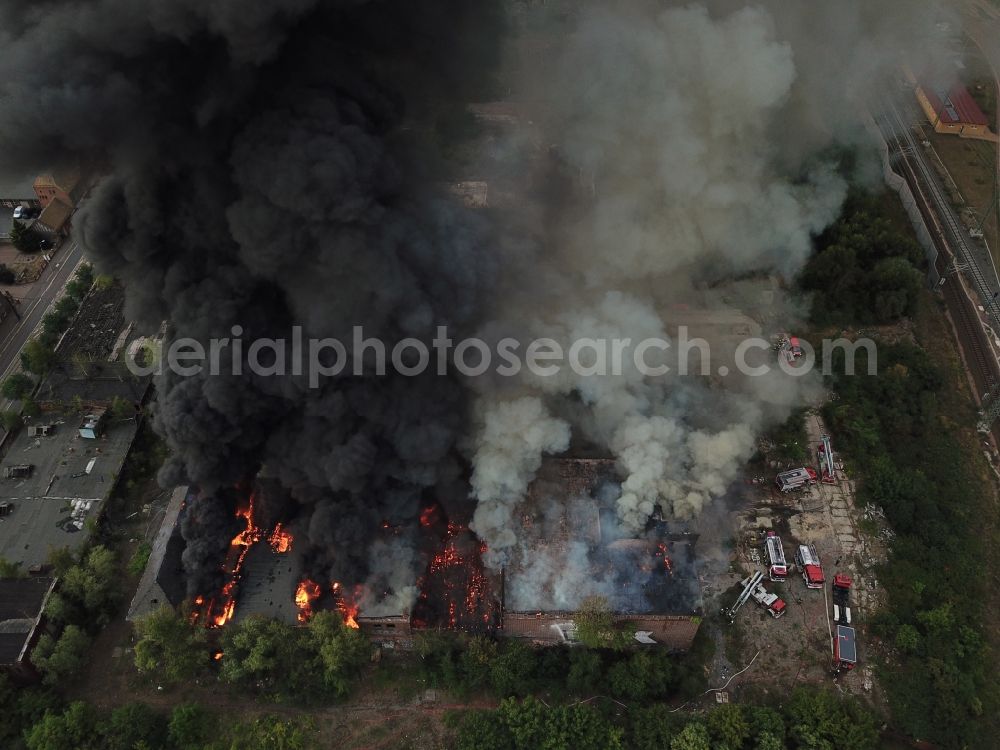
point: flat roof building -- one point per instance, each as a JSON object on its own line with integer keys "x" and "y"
{"x": 22, "y": 602}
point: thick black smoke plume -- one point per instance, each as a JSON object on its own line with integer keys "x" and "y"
{"x": 272, "y": 163}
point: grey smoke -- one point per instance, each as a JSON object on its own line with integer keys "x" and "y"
{"x": 694, "y": 142}
{"x": 272, "y": 163}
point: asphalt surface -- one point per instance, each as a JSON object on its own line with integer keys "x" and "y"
{"x": 49, "y": 288}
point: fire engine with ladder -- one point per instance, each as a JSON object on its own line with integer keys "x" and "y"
{"x": 753, "y": 588}
{"x": 828, "y": 472}
{"x": 845, "y": 645}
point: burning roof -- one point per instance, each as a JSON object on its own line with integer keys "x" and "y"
{"x": 571, "y": 547}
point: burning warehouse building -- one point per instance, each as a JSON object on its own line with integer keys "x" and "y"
{"x": 570, "y": 547}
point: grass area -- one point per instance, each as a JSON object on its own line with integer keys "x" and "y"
{"x": 978, "y": 79}
{"x": 972, "y": 165}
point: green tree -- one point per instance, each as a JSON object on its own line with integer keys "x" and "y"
{"x": 61, "y": 611}
{"x": 77, "y": 728}
{"x": 585, "y": 670}
{"x": 645, "y": 674}
{"x": 76, "y": 289}
{"x": 17, "y": 386}
{"x": 137, "y": 563}
{"x": 54, "y": 323}
{"x": 511, "y": 670}
{"x": 820, "y": 720}
{"x": 30, "y": 408}
{"x": 122, "y": 408}
{"x": 264, "y": 651}
{"x": 907, "y": 638}
{"x": 61, "y": 660}
{"x": 484, "y": 730}
{"x": 766, "y": 721}
{"x": 693, "y": 737}
{"x": 340, "y": 651}
{"x": 10, "y": 569}
{"x": 189, "y": 727}
{"x": 37, "y": 357}
{"x": 595, "y": 625}
{"x": 533, "y": 725}
{"x": 135, "y": 725}
{"x": 66, "y": 306}
{"x": 11, "y": 420}
{"x": 169, "y": 646}
{"x": 24, "y": 238}
{"x": 654, "y": 727}
{"x": 93, "y": 586}
{"x": 768, "y": 741}
{"x": 61, "y": 559}
{"x": 728, "y": 727}
{"x": 273, "y": 733}
{"x": 84, "y": 274}
{"x": 475, "y": 661}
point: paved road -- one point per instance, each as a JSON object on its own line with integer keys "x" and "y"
{"x": 48, "y": 287}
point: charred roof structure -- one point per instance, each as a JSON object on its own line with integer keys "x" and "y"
{"x": 570, "y": 547}
{"x": 22, "y": 602}
{"x": 162, "y": 581}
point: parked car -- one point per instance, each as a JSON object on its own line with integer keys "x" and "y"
{"x": 20, "y": 212}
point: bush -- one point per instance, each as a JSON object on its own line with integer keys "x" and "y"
{"x": 62, "y": 660}
{"x": 6, "y": 275}
{"x": 66, "y": 306}
{"x": 17, "y": 386}
{"x": 170, "y": 646}
{"x": 189, "y": 727}
{"x": 91, "y": 589}
{"x": 866, "y": 270}
{"x": 11, "y": 420}
{"x": 137, "y": 564}
{"x": 38, "y": 356}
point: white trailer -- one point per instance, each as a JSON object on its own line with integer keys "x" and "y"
{"x": 796, "y": 479}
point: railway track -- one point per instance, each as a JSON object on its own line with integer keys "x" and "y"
{"x": 972, "y": 339}
{"x": 953, "y": 252}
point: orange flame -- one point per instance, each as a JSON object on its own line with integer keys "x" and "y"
{"x": 348, "y": 606}
{"x": 305, "y": 594}
{"x": 667, "y": 564}
{"x": 280, "y": 540}
{"x": 217, "y": 611}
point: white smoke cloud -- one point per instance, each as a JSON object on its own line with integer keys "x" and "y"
{"x": 509, "y": 444}
{"x": 671, "y": 122}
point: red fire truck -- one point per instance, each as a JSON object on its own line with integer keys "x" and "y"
{"x": 808, "y": 562}
{"x": 845, "y": 646}
{"x": 777, "y": 568}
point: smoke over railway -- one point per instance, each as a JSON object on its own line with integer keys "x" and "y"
{"x": 273, "y": 163}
